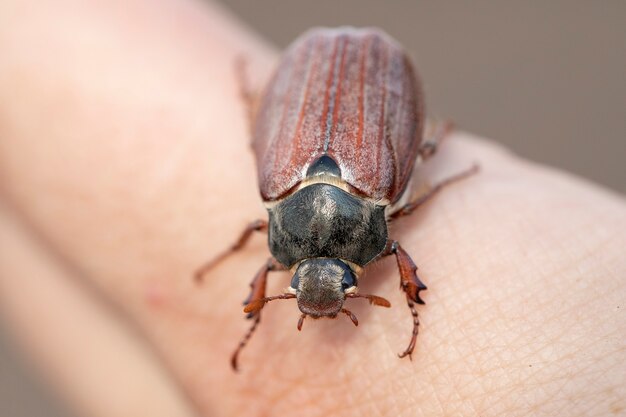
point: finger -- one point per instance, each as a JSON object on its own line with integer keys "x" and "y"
{"x": 176, "y": 177}
{"x": 91, "y": 357}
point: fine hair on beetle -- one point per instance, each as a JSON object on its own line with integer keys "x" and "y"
{"x": 336, "y": 135}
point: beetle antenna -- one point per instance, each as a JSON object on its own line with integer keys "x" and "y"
{"x": 255, "y": 306}
{"x": 301, "y": 321}
{"x": 373, "y": 299}
{"x": 351, "y": 315}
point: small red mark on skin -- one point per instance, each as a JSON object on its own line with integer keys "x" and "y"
{"x": 154, "y": 295}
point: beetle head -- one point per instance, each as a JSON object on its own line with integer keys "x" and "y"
{"x": 321, "y": 285}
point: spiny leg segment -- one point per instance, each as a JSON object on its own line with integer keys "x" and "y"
{"x": 254, "y": 303}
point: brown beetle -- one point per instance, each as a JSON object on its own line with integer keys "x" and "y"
{"x": 337, "y": 133}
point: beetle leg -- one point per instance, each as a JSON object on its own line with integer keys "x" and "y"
{"x": 301, "y": 321}
{"x": 351, "y": 315}
{"x": 423, "y": 198}
{"x": 255, "y": 226}
{"x": 410, "y": 284}
{"x": 436, "y": 132}
{"x": 247, "y": 94}
{"x": 257, "y": 291}
{"x": 259, "y": 282}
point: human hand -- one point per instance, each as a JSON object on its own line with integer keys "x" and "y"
{"x": 124, "y": 164}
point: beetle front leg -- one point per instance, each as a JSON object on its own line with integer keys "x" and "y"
{"x": 255, "y": 226}
{"x": 257, "y": 292}
{"x": 259, "y": 282}
{"x": 410, "y": 284}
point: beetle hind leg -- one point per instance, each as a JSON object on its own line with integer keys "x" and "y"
{"x": 436, "y": 131}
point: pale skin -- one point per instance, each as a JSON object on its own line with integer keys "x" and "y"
{"x": 124, "y": 165}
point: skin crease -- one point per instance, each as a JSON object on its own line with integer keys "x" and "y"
{"x": 124, "y": 164}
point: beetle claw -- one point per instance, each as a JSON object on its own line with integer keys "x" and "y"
{"x": 351, "y": 316}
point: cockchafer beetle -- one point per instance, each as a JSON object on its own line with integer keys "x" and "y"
{"x": 336, "y": 134}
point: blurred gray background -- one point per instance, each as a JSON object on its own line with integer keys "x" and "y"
{"x": 547, "y": 79}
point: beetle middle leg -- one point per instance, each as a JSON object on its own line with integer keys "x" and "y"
{"x": 423, "y": 198}
{"x": 255, "y": 226}
{"x": 257, "y": 292}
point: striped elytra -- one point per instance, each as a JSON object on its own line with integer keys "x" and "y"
{"x": 347, "y": 93}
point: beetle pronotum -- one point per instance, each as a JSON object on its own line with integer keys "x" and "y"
{"x": 336, "y": 135}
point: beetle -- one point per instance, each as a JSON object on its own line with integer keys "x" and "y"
{"x": 336, "y": 134}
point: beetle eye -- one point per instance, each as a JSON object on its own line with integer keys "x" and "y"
{"x": 348, "y": 280}
{"x": 295, "y": 281}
